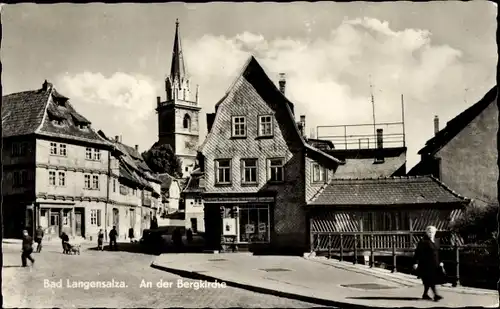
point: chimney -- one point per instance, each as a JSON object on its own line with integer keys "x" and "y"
{"x": 379, "y": 155}
{"x": 46, "y": 86}
{"x": 282, "y": 83}
{"x": 436, "y": 125}
{"x": 158, "y": 101}
{"x": 137, "y": 148}
{"x": 117, "y": 138}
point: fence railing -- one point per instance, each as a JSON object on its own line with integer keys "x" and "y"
{"x": 394, "y": 244}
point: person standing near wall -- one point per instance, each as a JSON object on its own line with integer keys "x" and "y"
{"x": 38, "y": 239}
{"x": 112, "y": 239}
{"x": 427, "y": 263}
{"x": 27, "y": 249}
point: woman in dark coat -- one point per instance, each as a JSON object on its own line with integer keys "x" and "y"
{"x": 427, "y": 263}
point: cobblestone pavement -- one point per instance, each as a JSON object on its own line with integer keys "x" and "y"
{"x": 24, "y": 287}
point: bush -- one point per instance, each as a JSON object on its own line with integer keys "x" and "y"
{"x": 478, "y": 224}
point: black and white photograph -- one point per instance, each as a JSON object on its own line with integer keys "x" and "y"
{"x": 250, "y": 155}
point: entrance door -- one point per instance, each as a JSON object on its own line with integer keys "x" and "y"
{"x": 116, "y": 219}
{"x": 54, "y": 223}
{"x": 213, "y": 227}
{"x": 78, "y": 223}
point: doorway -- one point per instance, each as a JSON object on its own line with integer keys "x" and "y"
{"x": 54, "y": 223}
{"x": 78, "y": 223}
{"x": 116, "y": 219}
{"x": 213, "y": 227}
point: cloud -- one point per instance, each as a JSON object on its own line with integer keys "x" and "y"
{"x": 121, "y": 104}
{"x": 328, "y": 79}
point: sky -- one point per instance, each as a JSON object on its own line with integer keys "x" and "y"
{"x": 111, "y": 59}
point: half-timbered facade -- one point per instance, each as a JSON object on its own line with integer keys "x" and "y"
{"x": 55, "y": 166}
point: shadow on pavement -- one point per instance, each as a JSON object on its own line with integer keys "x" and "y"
{"x": 12, "y": 266}
{"x": 386, "y": 298}
{"x": 149, "y": 250}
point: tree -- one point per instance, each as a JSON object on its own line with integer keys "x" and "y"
{"x": 478, "y": 221}
{"x": 162, "y": 159}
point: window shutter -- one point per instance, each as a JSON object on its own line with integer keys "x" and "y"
{"x": 98, "y": 217}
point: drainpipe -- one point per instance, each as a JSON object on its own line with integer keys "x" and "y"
{"x": 107, "y": 197}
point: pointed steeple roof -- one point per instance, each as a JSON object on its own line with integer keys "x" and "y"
{"x": 177, "y": 69}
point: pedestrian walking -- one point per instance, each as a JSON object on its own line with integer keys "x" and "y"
{"x": 427, "y": 263}
{"x": 100, "y": 240}
{"x": 131, "y": 234}
{"x": 112, "y": 239}
{"x": 65, "y": 242}
{"x": 27, "y": 249}
{"x": 189, "y": 235}
{"x": 38, "y": 238}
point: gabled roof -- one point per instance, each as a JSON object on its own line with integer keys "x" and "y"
{"x": 32, "y": 112}
{"x": 196, "y": 182}
{"x": 457, "y": 124}
{"x": 268, "y": 91}
{"x": 386, "y": 192}
{"x": 22, "y": 112}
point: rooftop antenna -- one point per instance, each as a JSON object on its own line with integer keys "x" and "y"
{"x": 403, "y": 118}
{"x": 373, "y": 108}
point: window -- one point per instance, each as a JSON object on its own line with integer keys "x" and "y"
{"x": 18, "y": 149}
{"x": 386, "y": 221}
{"x": 95, "y": 182}
{"x": 16, "y": 181}
{"x": 97, "y": 154}
{"x": 58, "y": 122}
{"x": 87, "y": 182}
{"x": 239, "y": 127}
{"x": 194, "y": 225}
{"x": 276, "y": 170}
{"x": 58, "y": 149}
{"x": 52, "y": 178}
{"x": 266, "y": 125}
{"x": 114, "y": 185}
{"x": 93, "y": 216}
{"x": 62, "y": 179}
{"x": 92, "y": 154}
{"x": 223, "y": 171}
{"x": 249, "y": 170}
{"x": 186, "y": 123}
{"x": 88, "y": 153}
{"x": 53, "y": 148}
{"x": 254, "y": 223}
{"x": 319, "y": 173}
{"x": 62, "y": 150}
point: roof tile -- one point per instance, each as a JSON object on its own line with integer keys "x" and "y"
{"x": 386, "y": 191}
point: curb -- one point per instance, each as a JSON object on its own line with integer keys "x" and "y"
{"x": 403, "y": 281}
{"x": 262, "y": 290}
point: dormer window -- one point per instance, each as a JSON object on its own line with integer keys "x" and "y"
{"x": 58, "y": 122}
{"x": 82, "y": 126}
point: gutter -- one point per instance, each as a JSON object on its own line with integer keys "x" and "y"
{"x": 107, "y": 198}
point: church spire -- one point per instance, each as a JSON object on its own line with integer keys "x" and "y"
{"x": 177, "y": 70}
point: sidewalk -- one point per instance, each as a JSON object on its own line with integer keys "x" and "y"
{"x": 313, "y": 281}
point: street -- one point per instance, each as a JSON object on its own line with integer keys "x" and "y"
{"x": 50, "y": 283}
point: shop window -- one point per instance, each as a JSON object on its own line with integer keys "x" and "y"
{"x": 254, "y": 224}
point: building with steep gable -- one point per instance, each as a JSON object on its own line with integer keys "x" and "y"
{"x": 55, "y": 166}
{"x": 254, "y": 167}
{"x": 178, "y": 115}
{"x": 464, "y": 154}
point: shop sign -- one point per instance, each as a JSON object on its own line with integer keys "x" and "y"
{"x": 249, "y": 228}
{"x": 262, "y": 228}
{"x": 239, "y": 199}
{"x": 229, "y": 226}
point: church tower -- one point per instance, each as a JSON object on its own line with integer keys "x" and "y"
{"x": 178, "y": 115}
